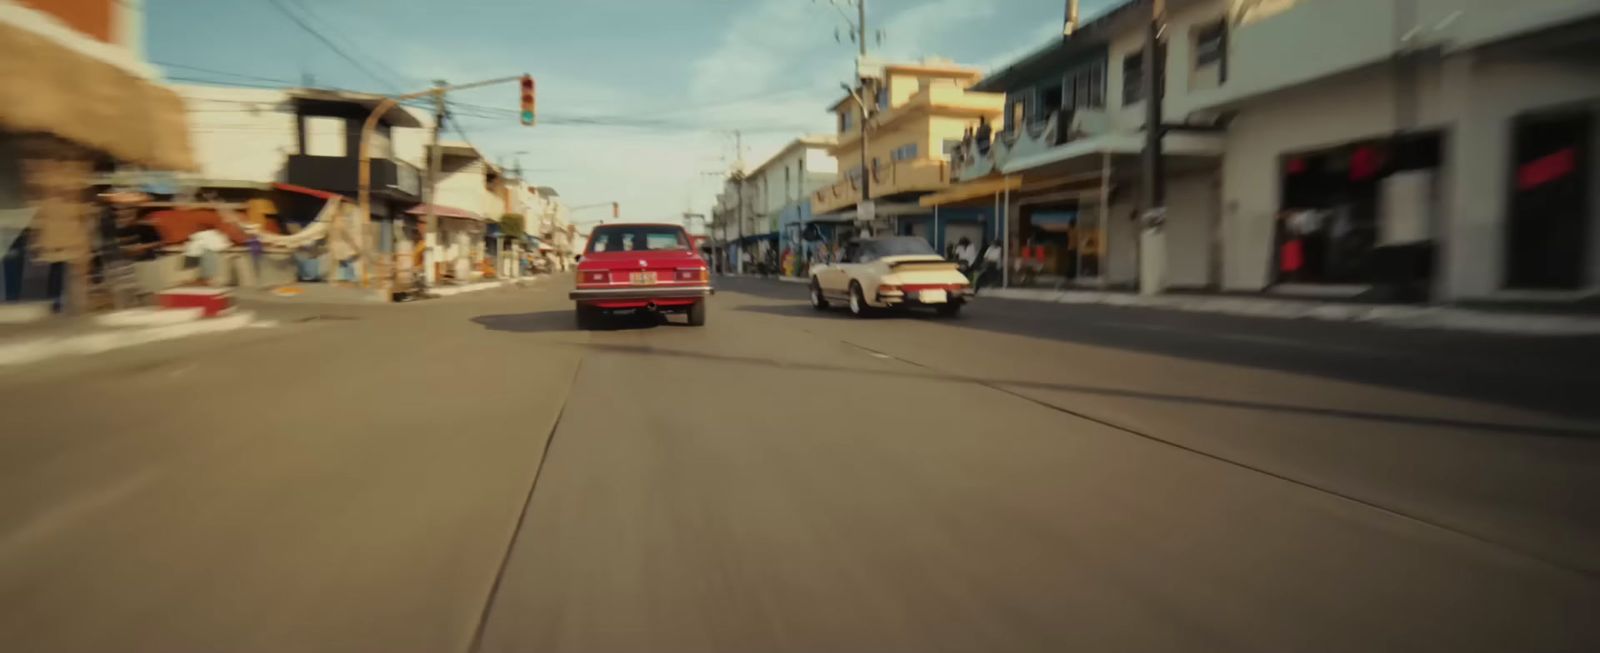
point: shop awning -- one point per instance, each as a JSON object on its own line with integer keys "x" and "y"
{"x": 61, "y": 82}
{"x": 444, "y": 212}
{"x": 982, "y": 188}
{"x": 1174, "y": 145}
{"x": 302, "y": 190}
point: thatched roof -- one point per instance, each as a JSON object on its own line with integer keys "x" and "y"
{"x": 54, "y": 89}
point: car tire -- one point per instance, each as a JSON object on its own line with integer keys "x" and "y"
{"x": 586, "y": 318}
{"x": 697, "y": 313}
{"x": 950, "y": 309}
{"x": 858, "y": 301}
{"x": 818, "y": 301}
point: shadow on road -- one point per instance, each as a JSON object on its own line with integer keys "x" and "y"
{"x": 1002, "y": 385}
{"x": 1549, "y": 374}
{"x": 564, "y": 321}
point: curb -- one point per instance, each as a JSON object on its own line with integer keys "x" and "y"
{"x": 451, "y": 291}
{"x": 40, "y": 349}
{"x": 1414, "y": 317}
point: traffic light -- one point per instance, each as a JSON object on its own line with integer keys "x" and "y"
{"x": 616, "y": 210}
{"x": 528, "y": 102}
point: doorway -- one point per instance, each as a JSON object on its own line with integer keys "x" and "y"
{"x": 1547, "y": 230}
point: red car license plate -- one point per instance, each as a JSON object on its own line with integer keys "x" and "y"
{"x": 642, "y": 278}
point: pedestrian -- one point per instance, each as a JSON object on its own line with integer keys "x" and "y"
{"x": 984, "y": 134}
{"x": 993, "y": 258}
{"x": 966, "y": 252}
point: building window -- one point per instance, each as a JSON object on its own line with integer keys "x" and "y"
{"x": 1210, "y": 44}
{"x": 1019, "y": 112}
{"x": 1050, "y": 101}
{"x": 951, "y": 146}
{"x": 847, "y": 120}
{"x": 1085, "y": 87}
{"x": 883, "y": 97}
{"x": 1133, "y": 71}
{"x": 325, "y": 136}
{"x": 1133, "y": 78}
{"x": 904, "y": 152}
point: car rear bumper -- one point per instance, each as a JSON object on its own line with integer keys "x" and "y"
{"x": 914, "y": 299}
{"x": 639, "y": 293}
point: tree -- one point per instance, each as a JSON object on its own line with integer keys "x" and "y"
{"x": 513, "y": 225}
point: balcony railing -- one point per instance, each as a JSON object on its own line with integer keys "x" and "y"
{"x": 836, "y": 196}
{"x": 341, "y": 175}
{"x": 910, "y": 175}
{"x": 972, "y": 161}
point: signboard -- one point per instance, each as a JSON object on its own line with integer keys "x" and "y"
{"x": 866, "y": 211}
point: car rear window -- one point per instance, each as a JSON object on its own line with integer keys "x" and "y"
{"x": 637, "y": 239}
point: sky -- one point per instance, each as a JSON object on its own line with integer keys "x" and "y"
{"x": 638, "y": 99}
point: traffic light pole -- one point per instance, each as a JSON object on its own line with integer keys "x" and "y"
{"x": 364, "y": 167}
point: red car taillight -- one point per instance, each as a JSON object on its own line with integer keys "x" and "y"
{"x": 600, "y": 276}
{"x": 691, "y": 274}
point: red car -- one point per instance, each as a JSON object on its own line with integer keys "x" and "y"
{"x": 640, "y": 267}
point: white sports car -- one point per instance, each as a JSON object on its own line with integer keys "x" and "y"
{"x": 890, "y": 272}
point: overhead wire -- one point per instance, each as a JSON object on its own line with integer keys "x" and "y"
{"x": 306, "y": 26}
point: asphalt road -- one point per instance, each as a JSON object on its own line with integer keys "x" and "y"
{"x": 472, "y": 474}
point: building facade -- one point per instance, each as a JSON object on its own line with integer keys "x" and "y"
{"x": 1401, "y": 149}
{"x": 777, "y": 201}
{"x": 918, "y": 114}
{"x": 53, "y": 141}
{"x": 1446, "y": 146}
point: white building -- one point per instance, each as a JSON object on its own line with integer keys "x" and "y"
{"x": 775, "y": 195}
{"x": 1464, "y": 127}
{"x": 1315, "y": 145}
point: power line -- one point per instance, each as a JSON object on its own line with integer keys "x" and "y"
{"x": 284, "y": 9}
{"x": 224, "y": 82}
{"x": 214, "y": 71}
{"x": 306, "y": 9}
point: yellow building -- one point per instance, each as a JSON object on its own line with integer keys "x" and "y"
{"x": 920, "y": 113}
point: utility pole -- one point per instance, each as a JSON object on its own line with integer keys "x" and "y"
{"x": 866, "y": 113}
{"x": 364, "y": 167}
{"x": 861, "y": 25}
{"x": 430, "y": 218}
{"x": 738, "y": 187}
{"x": 1155, "y": 182}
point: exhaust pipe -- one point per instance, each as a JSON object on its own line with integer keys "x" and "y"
{"x": 652, "y": 307}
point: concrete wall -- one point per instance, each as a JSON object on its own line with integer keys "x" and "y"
{"x": 1121, "y": 267}
{"x": 1490, "y": 93}
{"x": 242, "y": 134}
{"x": 1471, "y": 98}
{"x": 1337, "y": 110}
{"x": 461, "y": 185}
{"x": 1192, "y": 217}
{"x": 818, "y": 160}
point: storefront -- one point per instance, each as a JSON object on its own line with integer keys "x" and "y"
{"x": 1345, "y": 210}
{"x": 54, "y": 138}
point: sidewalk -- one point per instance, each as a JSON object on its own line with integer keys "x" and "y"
{"x": 325, "y": 293}
{"x": 1400, "y": 315}
{"x": 28, "y": 335}
{"x": 33, "y": 342}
